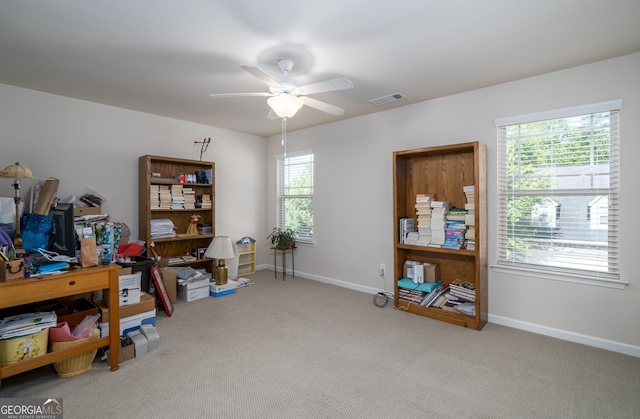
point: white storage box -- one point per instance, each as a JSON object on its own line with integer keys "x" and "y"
{"x": 131, "y": 323}
{"x": 152, "y": 336}
{"x": 230, "y": 285}
{"x": 129, "y": 288}
{"x": 195, "y": 290}
{"x": 139, "y": 341}
{"x": 194, "y": 293}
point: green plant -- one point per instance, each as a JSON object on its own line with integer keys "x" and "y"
{"x": 282, "y": 237}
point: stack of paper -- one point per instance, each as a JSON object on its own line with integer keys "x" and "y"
{"x": 26, "y": 324}
{"x": 162, "y": 227}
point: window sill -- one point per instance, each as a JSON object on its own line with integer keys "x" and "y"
{"x": 554, "y": 276}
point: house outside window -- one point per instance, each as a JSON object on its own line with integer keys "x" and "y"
{"x": 558, "y": 193}
{"x": 295, "y": 194}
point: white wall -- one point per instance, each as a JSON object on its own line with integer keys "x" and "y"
{"x": 86, "y": 144}
{"x": 90, "y": 145}
{"x": 354, "y": 213}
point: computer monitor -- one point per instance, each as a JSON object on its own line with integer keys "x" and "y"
{"x": 63, "y": 234}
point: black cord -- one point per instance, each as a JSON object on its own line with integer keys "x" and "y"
{"x": 381, "y": 299}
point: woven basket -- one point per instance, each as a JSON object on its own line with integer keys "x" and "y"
{"x": 76, "y": 364}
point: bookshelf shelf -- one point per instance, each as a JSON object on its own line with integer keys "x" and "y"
{"x": 443, "y": 171}
{"x": 182, "y": 244}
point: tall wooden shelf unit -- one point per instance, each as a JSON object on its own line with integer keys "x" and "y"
{"x": 443, "y": 171}
{"x": 182, "y": 244}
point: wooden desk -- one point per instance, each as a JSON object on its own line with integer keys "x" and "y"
{"x": 32, "y": 290}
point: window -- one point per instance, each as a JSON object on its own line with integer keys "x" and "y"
{"x": 558, "y": 189}
{"x": 295, "y": 194}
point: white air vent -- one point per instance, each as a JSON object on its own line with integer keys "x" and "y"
{"x": 388, "y": 99}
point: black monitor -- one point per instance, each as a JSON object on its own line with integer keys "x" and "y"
{"x": 63, "y": 234}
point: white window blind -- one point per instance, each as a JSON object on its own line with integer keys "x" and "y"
{"x": 558, "y": 191}
{"x": 295, "y": 194}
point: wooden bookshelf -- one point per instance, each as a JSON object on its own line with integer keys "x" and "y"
{"x": 167, "y": 168}
{"x": 443, "y": 171}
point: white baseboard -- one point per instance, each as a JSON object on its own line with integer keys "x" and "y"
{"x": 609, "y": 345}
{"x": 623, "y": 348}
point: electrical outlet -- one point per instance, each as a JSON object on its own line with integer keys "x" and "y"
{"x": 382, "y": 270}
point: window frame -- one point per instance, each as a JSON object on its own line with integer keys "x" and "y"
{"x": 502, "y": 265}
{"x": 281, "y": 198}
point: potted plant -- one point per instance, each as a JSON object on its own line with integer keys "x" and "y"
{"x": 282, "y": 238}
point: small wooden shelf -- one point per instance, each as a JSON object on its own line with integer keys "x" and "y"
{"x": 246, "y": 256}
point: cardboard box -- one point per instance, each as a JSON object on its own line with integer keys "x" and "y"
{"x": 170, "y": 283}
{"x": 126, "y": 352}
{"x": 79, "y": 211}
{"x": 131, "y": 323}
{"x": 129, "y": 288}
{"x": 147, "y": 303}
{"x": 431, "y": 272}
{"x": 22, "y": 348}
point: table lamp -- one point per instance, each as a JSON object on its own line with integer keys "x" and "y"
{"x": 221, "y": 249}
{"x": 17, "y": 171}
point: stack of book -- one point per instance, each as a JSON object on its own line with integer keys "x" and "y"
{"x": 423, "y": 213}
{"x": 177, "y": 198}
{"x": 410, "y": 296}
{"x": 439, "y": 211}
{"x": 436, "y": 298}
{"x": 470, "y": 219}
{"x": 189, "y": 198}
{"x": 463, "y": 290}
{"x": 164, "y": 196}
{"x": 412, "y": 238}
{"x": 154, "y": 197}
{"x": 456, "y": 229}
{"x": 204, "y": 201}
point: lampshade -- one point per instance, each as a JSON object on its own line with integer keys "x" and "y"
{"x": 16, "y": 171}
{"x": 285, "y": 105}
{"x": 220, "y": 248}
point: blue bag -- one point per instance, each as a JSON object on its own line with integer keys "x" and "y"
{"x": 36, "y": 232}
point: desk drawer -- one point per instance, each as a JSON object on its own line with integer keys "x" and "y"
{"x": 38, "y": 289}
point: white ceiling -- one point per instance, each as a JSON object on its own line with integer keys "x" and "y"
{"x": 164, "y": 56}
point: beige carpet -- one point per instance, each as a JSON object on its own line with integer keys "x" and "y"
{"x": 303, "y": 349}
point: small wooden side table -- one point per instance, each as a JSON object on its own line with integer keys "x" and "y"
{"x": 284, "y": 261}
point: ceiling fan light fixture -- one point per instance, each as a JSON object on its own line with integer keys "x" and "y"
{"x": 285, "y": 105}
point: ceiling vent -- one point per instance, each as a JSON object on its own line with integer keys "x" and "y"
{"x": 388, "y": 99}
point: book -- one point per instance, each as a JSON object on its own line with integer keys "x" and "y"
{"x": 407, "y": 283}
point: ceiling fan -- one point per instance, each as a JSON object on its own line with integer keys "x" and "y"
{"x": 286, "y": 96}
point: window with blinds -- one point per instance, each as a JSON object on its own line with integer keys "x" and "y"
{"x": 295, "y": 194}
{"x": 558, "y": 191}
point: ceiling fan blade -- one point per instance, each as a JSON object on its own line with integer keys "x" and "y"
{"x": 259, "y": 73}
{"x": 327, "y": 86}
{"x": 322, "y": 106}
{"x": 240, "y": 94}
{"x": 272, "y": 115}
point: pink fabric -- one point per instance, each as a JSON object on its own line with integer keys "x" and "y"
{"x": 61, "y": 333}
